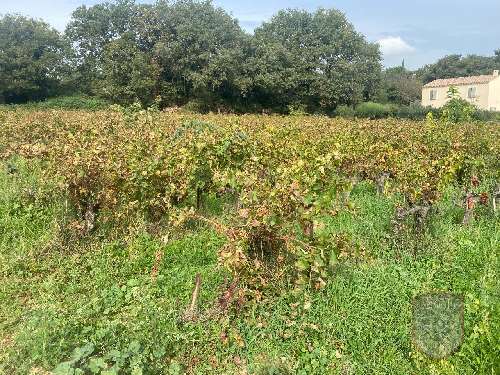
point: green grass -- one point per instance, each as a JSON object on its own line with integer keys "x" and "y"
{"x": 57, "y": 295}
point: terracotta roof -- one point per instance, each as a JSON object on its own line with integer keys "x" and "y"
{"x": 461, "y": 81}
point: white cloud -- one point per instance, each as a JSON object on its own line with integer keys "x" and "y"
{"x": 394, "y": 46}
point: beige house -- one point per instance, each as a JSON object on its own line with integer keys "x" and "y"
{"x": 482, "y": 91}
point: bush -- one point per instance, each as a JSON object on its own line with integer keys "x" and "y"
{"x": 416, "y": 111}
{"x": 250, "y": 107}
{"x": 458, "y": 110}
{"x": 373, "y": 110}
{"x": 196, "y": 106}
{"x": 72, "y": 102}
{"x": 345, "y": 111}
{"x": 297, "y": 109}
{"x": 483, "y": 115}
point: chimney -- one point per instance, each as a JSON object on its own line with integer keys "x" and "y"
{"x": 495, "y": 73}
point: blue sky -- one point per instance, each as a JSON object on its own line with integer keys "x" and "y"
{"x": 420, "y": 31}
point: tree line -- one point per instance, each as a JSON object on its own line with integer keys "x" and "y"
{"x": 190, "y": 52}
{"x": 401, "y": 86}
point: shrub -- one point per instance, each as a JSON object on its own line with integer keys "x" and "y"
{"x": 72, "y": 102}
{"x": 250, "y": 107}
{"x": 483, "y": 115}
{"x": 372, "y": 110}
{"x": 345, "y": 111}
{"x": 416, "y": 111}
{"x": 457, "y": 109}
{"x": 197, "y": 106}
{"x": 297, "y": 109}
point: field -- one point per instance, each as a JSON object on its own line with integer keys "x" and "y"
{"x": 144, "y": 242}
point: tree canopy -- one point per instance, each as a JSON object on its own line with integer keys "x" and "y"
{"x": 183, "y": 50}
{"x": 191, "y": 51}
{"x": 32, "y": 59}
{"x": 459, "y": 66}
{"x": 400, "y": 86}
{"x": 315, "y": 59}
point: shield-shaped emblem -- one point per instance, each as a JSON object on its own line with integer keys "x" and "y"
{"x": 438, "y": 324}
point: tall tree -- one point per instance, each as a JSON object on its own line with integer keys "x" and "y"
{"x": 32, "y": 59}
{"x": 200, "y": 49}
{"x": 128, "y": 74}
{"x": 400, "y": 86}
{"x": 196, "y": 49}
{"x": 91, "y": 29}
{"x": 317, "y": 59}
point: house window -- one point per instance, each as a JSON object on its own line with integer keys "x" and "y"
{"x": 434, "y": 94}
{"x": 471, "y": 93}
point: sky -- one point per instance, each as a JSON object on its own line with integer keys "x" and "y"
{"x": 418, "y": 31}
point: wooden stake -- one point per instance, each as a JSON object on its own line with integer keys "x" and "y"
{"x": 196, "y": 293}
